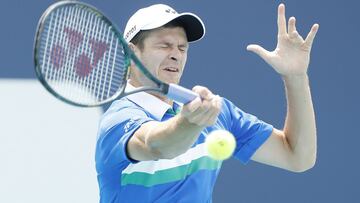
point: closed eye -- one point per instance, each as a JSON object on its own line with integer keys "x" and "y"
{"x": 183, "y": 48}
{"x": 164, "y": 45}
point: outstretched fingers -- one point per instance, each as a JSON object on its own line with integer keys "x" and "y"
{"x": 310, "y": 37}
{"x": 281, "y": 21}
{"x": 292, "y": 32}
{"x": 291, "y": 25}
{"x": 263, "y": 53}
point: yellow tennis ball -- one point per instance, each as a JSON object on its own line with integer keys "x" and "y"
{"x": 220, "y": 144}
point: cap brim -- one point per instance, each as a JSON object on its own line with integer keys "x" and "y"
{"x": 193, "y": 25}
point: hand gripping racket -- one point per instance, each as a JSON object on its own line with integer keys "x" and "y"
{"x": 82, "y": 59}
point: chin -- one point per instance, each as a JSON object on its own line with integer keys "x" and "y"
{"x": 175, "y": 81}
{"x": 171, "y": 81}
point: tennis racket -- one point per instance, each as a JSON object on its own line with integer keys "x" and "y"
{"x": 82, "y": 59}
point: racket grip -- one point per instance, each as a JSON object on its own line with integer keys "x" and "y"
{"x": 181, "y": 94}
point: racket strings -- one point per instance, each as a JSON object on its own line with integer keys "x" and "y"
{"x": 80, "y": 55}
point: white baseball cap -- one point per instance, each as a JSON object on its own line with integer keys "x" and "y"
{"x": 160, "y": 14}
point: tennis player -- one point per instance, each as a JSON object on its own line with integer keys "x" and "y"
{"x": 151, "y": 149}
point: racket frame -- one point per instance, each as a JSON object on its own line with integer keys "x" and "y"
{"x": 128, "y": 53}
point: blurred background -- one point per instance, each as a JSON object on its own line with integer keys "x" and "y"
{"x": 47, "y": 147}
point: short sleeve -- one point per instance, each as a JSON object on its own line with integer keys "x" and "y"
{"x": 116, "y": 128}
{"x": 249, "y": 131}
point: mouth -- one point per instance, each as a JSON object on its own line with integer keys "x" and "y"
{"x": 171, "y": 69}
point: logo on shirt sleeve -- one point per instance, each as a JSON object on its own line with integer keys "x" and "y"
{"x": 130, "y": 123}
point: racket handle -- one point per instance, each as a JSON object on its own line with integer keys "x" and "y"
{"x": 181, "y": 94}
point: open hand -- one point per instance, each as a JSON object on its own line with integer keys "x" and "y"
{"x": 292, "y": 54}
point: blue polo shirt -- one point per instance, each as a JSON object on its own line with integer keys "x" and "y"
{"x": 190, "y": 177}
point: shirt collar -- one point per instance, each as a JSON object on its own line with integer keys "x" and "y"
{"x": 150, "y": 103}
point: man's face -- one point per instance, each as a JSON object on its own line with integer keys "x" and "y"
{"x": 164, "y": 54}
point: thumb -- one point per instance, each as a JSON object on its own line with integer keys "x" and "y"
{"x": 263, "y": 53}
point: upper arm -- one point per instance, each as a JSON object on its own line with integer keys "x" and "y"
{"x": 117, "y": 127}
{"x": 275, "y": 151}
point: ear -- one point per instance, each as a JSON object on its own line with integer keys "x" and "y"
{"x": 133, "y": 47}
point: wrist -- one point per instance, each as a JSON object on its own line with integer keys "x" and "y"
{"x": 296, "y": 80}
{"x": 184, "y": 122}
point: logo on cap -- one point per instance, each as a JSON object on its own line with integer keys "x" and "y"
{"x": 170, "y": 11}
{"x": 132, "y": 30}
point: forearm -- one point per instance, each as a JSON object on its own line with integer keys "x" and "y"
{"x": 171, "y": 138}
{"x": 300, "y": 127}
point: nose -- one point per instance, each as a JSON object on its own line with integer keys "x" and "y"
{"x": 174, "y": 58}
{"x": 175, "y": 54}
